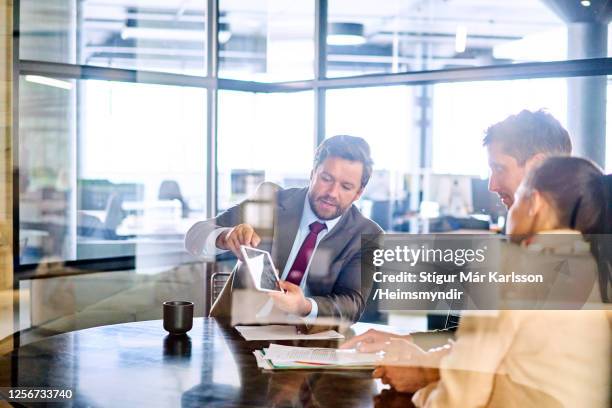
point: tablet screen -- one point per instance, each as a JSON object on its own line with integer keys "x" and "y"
{"x": 261, "y": 268}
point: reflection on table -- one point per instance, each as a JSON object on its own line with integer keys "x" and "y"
{"x": 138, "y": 364}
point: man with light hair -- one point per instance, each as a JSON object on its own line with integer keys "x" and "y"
{"x": 517, "y": 144}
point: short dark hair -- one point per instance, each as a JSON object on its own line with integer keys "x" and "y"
{"x": 527, "y": 133}
{"x": 346, "y": 147}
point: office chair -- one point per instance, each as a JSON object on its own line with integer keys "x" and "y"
{"x": 170, "y": 190}
{"x": 217, "y": 282}
{"x": 91, "y": 226}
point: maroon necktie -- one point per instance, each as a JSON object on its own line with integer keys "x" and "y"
{"x": 296, "y": 273}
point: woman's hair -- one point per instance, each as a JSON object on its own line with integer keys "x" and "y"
{"x": 581, "y": 195}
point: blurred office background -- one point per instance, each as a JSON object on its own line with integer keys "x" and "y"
{"x": 126, "y": 121}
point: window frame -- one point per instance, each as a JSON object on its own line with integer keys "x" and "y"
{"x": 212, "y": 83}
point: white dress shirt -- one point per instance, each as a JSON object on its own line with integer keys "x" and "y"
{"x": 308, "y": 217}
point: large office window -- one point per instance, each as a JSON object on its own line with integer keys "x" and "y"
{"x": 266, "y": 41}
{"x": 399, "y": 36}
{"x": 148, "y": 35}
{"x": 105, "y": 166}
{"x": 463, "y": 111}
{"x": 47, "y": 169}
{"x": 423, "y": 137}
{"x": 386, "y": 118}
{"x": 263, "y": 137}
{"x": 108, "y": 169}
{"x": 131, "y": 126}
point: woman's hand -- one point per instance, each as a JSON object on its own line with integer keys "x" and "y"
{"x": 372, "y": 341}
{"x": 407, "y": 367}
{"x": 401, "y": 379}
{"x": 401, "y": 352}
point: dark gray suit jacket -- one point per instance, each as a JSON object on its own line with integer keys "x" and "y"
{"x": 334, "y": 279}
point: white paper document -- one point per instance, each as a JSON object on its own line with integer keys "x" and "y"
{"x": 278, "y": 354}
{"x": 282, "y": 332}
{"x": 261, "y": 360}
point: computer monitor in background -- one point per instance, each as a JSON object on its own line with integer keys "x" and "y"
{"x": 378, "y": 194}
{"x": 486, "y": 202}
{"x": 245, "y": 182}
{"x": 295, "y": 182}
{"x": 94, "y": 194}
{"x": 452, "y": 192}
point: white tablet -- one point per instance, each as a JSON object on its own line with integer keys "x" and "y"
{"x": 260, "y": 266}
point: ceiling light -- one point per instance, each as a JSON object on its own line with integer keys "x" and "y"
{"x": 345, "y": 34}
{"x": 49, "y": 81}
{"x": 460, "y": 39}
{"x": 585, "y": 3}
{"x": 147, "y": 33}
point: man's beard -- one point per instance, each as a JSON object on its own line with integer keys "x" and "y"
{"x": 312, "y": 202}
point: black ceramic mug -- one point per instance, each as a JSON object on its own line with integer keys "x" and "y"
{"x": 178, "y": 316}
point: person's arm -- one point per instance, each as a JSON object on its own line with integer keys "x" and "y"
{"x": 342, "y": 304}
{"x": 351, "y": 290}
{"x": 347, "y": 301}
{"x": 202, "y": 236}
{"x": 210, "y": 244}
{"x": 311, "y": 317}
{"x": 407, "y": 367}
{"x": 467, "y": 374}
{"x": 229, "y": 229}
{"x": 372, "y": 341}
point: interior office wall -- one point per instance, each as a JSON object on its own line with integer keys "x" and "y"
{"x": 6, "y": 199}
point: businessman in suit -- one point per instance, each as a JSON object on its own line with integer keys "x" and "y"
{"x": 313, "y": 233}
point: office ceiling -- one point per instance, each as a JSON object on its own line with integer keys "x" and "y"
{"x": 175, "y": 29}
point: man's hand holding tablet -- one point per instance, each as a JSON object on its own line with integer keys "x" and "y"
{"x": 293, "y": 300}
{"x": 261, "y": 268}
{"x": 286, "y": 295}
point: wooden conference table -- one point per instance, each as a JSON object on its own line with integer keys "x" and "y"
{"x": 137, "y": 364}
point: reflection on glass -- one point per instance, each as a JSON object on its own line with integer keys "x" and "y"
{"x": 167, "y": 36}
{"x": 462, "y": 112}
{"x": 47, "y": 171}
{"x": 448, "y": 175}
{"x": 402, "y": 36}
{"x": 608, "y": 167}
{"x": 266, "y": 40}
{"x": 382, "y": 116}
{"x": 386, "y": 118}
{"x": 263, "y": 137}
{"x": 106, "y": 166}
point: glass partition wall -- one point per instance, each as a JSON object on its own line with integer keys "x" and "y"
{"x": 138, "y": 118}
